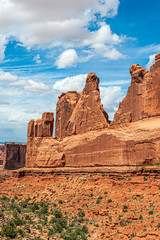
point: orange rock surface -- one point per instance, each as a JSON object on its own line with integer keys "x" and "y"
{"x": 143, "y": 96}
{"x": 89, "y": 113}
{"x": 87, "y": 138}
{"x": 121, "y": 212}
{"x": 135, "y": 144}
{"x": 42, "y": 127}
{"x": 65, "y": 106}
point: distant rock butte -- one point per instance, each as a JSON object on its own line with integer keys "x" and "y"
{"x": 14, "y": 155}
{"x": 85, "y": 137}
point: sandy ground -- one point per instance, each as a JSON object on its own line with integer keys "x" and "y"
{"x": 125, "y": 208}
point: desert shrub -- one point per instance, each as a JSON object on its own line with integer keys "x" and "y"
{"x": 150, "y": 212}
{"x": 125, "y": 208}
{"x": 1, "y": 214}
{"x": 21, "y": 232}
{"x": 57, "y": 213}
{"x": 18, "y": 221}
{"x": 35, "y": 207}
{"x": 81, "y": 213}
{"x": 109, "y": 200}
{"x": 145, "y": 179}
{"x": 9, "y": 231}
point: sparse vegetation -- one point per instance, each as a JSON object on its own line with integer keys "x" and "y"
{"x": 73, "y": 210}
{"x": 36, "y": 217}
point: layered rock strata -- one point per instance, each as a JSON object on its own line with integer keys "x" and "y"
{"x": 83, "y": 129}
{"x": 42, "y": 127}
{"x": 65, "y": 106}
{"x": 143, "y": 96}
{"x": 136, "y": 144}
{"x": 81, "y": 112}
{"x": 14, "y": 155}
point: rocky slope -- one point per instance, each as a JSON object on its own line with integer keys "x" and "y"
{"x": 116, "y": 208}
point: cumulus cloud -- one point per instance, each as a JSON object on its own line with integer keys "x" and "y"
{"x": 48, "y": 23}
{"x": 3, "y": 43}
{"x": 67, "y": 59}
{"x": 36, "y": 87}
{"x": 103, "y": 41}
{"x": 6, "y": 76}
{"x": 151, "y": 61}
{"x": 109, "y": 96}
{"x": 75, "y": 83}
{"x": 37, "y": 59}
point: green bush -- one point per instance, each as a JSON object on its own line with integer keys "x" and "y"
{"x": 81, "y": 213}
{"x": 9, "y": 231}
{"x": 150, "y": 212}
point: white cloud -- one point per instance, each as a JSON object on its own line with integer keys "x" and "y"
{"x": 6, "y": 76}
{"x": 74, "y": 83}
{"x": 107, "y": 51}
{"x": 67, "y": 59}
{"x": 110, "y": 97}
{"x": 3, "y": 43}
{"x": 151, "y": 61}
{"x": 103, "y": 40}
{"x": 119, "y": 82}
{"x": 48, "y": 23}
{"x": 36, "y": 87}
{"x": 37, "y": 59}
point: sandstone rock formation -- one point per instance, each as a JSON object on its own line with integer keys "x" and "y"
{"x": 42, "y": 127}
{"x": 89, "y": 113}
{"x": 143, "y": 96}
{"x": 136, "y": 144}
{"x": 80, "y": 112}
{"x": 14, "y": 155}
{"x": 65, "y": 106}
{"x": 1, "y": 153}
{"x": 85, "y": 133}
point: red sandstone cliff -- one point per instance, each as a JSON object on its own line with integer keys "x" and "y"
{"x": 14, "y": 155}
{"x": 65, "y": 106}
{"x": 137, "y": 143}
{"x": 1, "y": 153}
{"x": 80, "y": 112}
{"x": 143, "y": 96}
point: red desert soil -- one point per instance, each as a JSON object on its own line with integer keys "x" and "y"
{"x": 125, "y": 208}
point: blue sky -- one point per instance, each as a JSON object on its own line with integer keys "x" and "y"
{"x": 49, "y": 47}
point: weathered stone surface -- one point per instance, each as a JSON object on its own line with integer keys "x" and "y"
{"x": 136, "y": 144}
{"x": 65, "y": 106}
{"x": 42, "y": 127}
{"x": 14, "y": 155}
{"x": 143, "y": 96}
{"x": 89, "y": 113}
{"x": 1, "y": 153}
{"x": 30, "y": 132}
